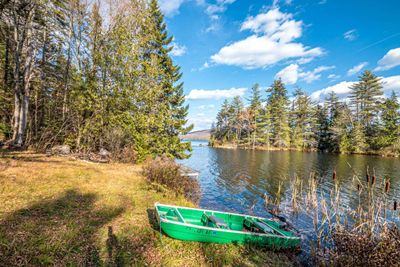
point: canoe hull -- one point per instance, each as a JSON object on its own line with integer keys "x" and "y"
{"x": 190, "y": 232}
{"x": 193, "y": 233}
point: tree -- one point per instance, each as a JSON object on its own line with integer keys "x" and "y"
{"x": 20, "y": 24}
{"x": 333, "y": 112}
{"x": 254, "y": 113}
{"x": 171, "y": 98}
{"x": 277, "y": 106}
{"x": 237, "y": 117}
{"x": 302, "y": 121}
{"x": 366, "y": 98}
{"x": 340, "y": 130}
{"x": 390, "y": 129}
{"x": 76, "y": 81}
{"x": 322, "y": 128}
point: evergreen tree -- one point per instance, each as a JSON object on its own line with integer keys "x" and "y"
{"x": 340, "y": 130}
{"x": 332, "y": 104}
{"x": 75, "y": 81}
{"x": 254, "y": 113}
{"x": 172, "y": 98}
{"x": 366, "y": 97}
{"x": 322, "y": 128}
{"x": 237, "y": 117}
{"x": 277, "y": 106}
{"x": 264, "y": 127}
{"x": 302, "y": 121}
{"x": 333, "y": 111}
{"x": 390, "y": 129}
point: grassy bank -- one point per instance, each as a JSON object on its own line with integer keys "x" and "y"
{"x": 59, "y": 211}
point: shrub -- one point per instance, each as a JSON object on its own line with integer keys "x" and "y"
{"x": 165, "y": 171}
{"x": 5, "y": 131}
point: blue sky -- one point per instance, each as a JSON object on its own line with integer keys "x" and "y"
{"x": 225, "y": 46}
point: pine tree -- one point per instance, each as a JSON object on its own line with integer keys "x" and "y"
{"x": 332, "y": 104}
{"x": 277, "y": 106}
{"x": 390, "y": 129}
{"x": 172, "y": 98}
{"x": 333, "y": 111}
{"x": 302, "y": 121}
{"x": 237, "y": 117}
{"x": 366, "y": 97}
{"x": 341, "y": 129}
{"x": 254, "y": 113}
{"x": 264, "y": 127}
{"x": 322, "y": 128}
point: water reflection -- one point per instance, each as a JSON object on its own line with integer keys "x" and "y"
{"x": 236, "y": 180}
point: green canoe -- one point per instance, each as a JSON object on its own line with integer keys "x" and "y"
{"x": 223, "y": 227}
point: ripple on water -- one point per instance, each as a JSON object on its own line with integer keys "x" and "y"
{"x": 236, "y": 180}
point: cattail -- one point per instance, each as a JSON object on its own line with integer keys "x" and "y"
{"x": 395, "y": 205}
{"x": 387, "y": 186}
{"x": 358, "y": 187}
{"x": 334, "y": 175}
{"x": 367, "y": 177}
{"x": 373, "y": 180}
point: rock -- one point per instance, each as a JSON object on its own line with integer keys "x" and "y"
{"x": 104, "y": 152}
{"x": 61, "y": 150}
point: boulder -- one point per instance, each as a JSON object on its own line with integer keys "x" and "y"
{"x": 61, "y": 150}
{"x": 104, "y": 153}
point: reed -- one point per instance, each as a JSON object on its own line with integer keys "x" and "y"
{"x": 349, "y": 235}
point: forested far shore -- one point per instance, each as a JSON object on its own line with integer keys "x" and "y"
{"x": 75, "y": 74}
{"x": 366, "y": 123}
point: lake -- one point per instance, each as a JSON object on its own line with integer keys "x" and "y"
{"x": 237, "y": 180}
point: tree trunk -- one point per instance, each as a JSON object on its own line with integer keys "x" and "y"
{"x": 66, "y": 75}
{"x": 17, "y": 109}
{"x": 24, "y": 50}
{"x": 23, "y": 117}
{"x": 6, "y": 63}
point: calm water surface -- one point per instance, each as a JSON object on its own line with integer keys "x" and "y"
{"x": 236, "y": 180}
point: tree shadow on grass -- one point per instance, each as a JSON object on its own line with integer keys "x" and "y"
{"x": 54, "y": 232}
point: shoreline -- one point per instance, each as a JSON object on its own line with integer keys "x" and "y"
{"x": 231, "y": 146}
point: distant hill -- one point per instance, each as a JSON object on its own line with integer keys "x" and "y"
{"x": 197, "y": 135}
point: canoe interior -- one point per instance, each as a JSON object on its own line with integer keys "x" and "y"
{"x": 235, "y": 222}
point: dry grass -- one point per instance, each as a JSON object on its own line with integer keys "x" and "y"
{"x": 59, "y": 211}
{"x": 166, "y": 172}
{"x": 361, "y": 234}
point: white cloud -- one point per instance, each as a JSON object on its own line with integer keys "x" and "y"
{"x": 391, "y": 83}
{"x": 292, "y": 73}
{"x": 357, "y": 68}
{"x": 276, "y": 25}
{"x": 333, "y": 76}
{"x": 170, "y": 7}
{"x": 213, "y": 11}
{"x": 350, "y": 35}
{"x": 272, "y": 42}
{"x": 342, "y": 89}
{"x": 289, "y": 75}
{"x": 390, "y": 60}
{"x": 178, "y": 50}
{"x": 257, "y": 52}
{"x": 197, "y": 94}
